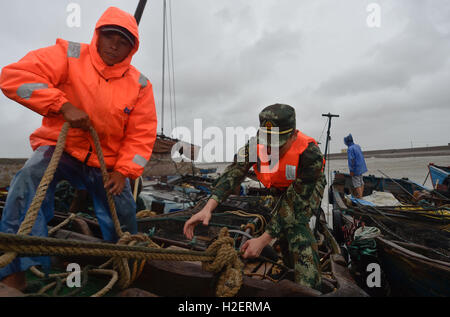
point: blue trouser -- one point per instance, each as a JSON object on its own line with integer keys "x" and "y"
{"x": 23, "y": 188}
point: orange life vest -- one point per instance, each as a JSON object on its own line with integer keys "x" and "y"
{"x": 285, "y": 170}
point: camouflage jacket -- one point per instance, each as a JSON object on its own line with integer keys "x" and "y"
{"x": 298, "y": 201}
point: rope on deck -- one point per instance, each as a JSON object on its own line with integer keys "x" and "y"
{"x": 220, "y": 258}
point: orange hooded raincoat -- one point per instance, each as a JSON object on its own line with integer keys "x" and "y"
{"x": 118, "y": 99}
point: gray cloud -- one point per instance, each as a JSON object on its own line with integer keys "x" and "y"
{"x": 419, "y": 50}
{"x": 233, "y": 58}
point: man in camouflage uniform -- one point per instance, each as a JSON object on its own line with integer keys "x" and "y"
{"x": 294, "y": 204}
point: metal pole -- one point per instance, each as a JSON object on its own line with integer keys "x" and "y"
{"x": 329, "y": 115}
{"x": 163, "y": 67}
{"x": 138, "y": 15}
{"x": 140, "y": 10}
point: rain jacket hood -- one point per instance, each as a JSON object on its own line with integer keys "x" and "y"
{"x": 348, "y": 140}
{"x": 355, "y": 156}
{"x": 118, "y": 99}
{"x": 114, "y": 16}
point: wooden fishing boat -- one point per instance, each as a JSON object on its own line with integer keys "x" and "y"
{"x": 438, "y": 173}
{"x": 412, "y": 249}
{"x": 440, "y": 178}
{"x": 265, "y": 276}
{"x": 174, "y": 193}
{"x": 208, "y": 170}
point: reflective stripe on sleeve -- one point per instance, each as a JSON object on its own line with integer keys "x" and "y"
{"x": 143, "y": 81}
{"x": 74, "y": 50}
{"x": 26, "y": 90}
{"x": 139, "y": 160}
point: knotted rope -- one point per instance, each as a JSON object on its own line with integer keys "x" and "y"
{"x": 126, "y": 277}
{"x": 220, "y": 256}
{"x": 227, "y": 262}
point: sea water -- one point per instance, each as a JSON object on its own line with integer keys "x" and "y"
{"x": 413, "y": 168}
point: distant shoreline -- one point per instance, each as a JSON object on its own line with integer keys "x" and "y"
{"x": 396, "y": 153}
{"x": 392, "y": 153}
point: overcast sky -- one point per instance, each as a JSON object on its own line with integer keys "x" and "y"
{"x": 390, "y": 85}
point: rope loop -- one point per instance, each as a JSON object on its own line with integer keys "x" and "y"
{"x": 220, "y": 258}
{"x": 126, "y": 275}
{"x": 227, "y": 263}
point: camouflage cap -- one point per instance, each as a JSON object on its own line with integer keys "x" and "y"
{"x": 277, "y": 122}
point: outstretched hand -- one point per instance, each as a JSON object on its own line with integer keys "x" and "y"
{"x": 203, "y": 216}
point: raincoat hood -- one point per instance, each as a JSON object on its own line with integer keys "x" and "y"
{"x": 348, "y": 140}
{"x": 118, "y": 99}
{"x": 114, "y": 16}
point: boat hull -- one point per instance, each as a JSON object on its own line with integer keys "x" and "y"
{"x": 410, "y": 269}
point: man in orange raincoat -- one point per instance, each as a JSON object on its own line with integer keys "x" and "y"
{"x": 86, "y": 85}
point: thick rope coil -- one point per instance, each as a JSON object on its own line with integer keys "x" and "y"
{"x": 363, "y": 233}
{"x": 227, "y": 263}
{"x": 220, "y": 258}
{"x": 127, "y": 276}
{"x": 42, "y": 246}
{"x": 145, "y": 214}
{"x": 224, "y": 257}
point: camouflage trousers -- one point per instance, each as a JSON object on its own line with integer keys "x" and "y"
{"x": 298, "y": 245}
{"x": 302, "y": 257}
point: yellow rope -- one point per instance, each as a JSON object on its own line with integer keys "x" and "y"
{"x": 246, "y": 214}
{"x": 145, "y": 214}
{"x": 221, "y": 257}
{"x": 105, "y": 176}
{"x": 226, "y": 261}
{"x": 62, "y": 224}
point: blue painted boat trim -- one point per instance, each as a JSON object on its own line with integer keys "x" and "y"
{"x": 437, "y": 174}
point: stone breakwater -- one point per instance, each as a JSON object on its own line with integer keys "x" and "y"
{"x": 159, "y": 165}
{"x": 395, "y": 153}
{"x": 8, "y": 168}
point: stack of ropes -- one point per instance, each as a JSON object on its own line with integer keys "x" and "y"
{"x": 220, "y": 258}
